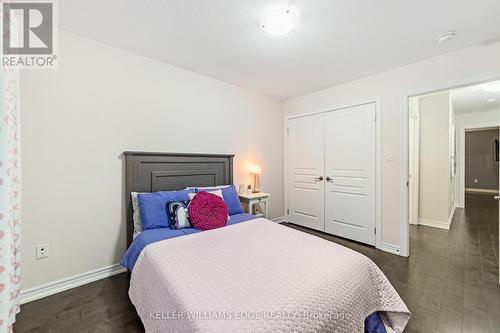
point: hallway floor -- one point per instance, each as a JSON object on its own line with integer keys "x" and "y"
{"x": 450, "y": 282}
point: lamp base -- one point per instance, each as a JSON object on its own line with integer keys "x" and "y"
{"x": 255, "y": 188}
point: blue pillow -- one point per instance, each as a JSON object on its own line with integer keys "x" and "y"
{"x": 152, "y": 207}
{"x": 230, "y": 198}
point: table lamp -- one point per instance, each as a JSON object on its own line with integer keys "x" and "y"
{"x": 255, "y": 171}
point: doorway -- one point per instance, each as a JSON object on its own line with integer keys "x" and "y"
{"x": 481, "y": 158}
{"x": 453, "y": 168}
{"x": 432, "y": 160}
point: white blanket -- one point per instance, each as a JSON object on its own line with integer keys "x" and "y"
{"x": 258, "y": 276}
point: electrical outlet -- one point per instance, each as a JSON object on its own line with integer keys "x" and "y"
{"x": 42, "y": 251}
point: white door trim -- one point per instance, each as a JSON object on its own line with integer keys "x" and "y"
{"x": 414, "y": 170}
{"x": 404, "y": 147}
{"x": 378, "y": 158}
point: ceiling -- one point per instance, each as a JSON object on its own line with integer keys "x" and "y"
{"x": 336, "y": 40}
{"x": 474, "y": 99}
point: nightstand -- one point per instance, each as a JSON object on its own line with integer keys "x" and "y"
{"x": 255, "y": 203}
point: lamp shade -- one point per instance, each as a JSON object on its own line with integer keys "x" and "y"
{"x": 255, "y": 169}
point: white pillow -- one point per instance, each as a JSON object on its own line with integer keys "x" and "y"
{"x": 136, "y": 214}
{"x": 216, "y": 192}
{"x": 212, "y": 188}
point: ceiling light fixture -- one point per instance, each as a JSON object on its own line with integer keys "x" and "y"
{"x": 493, "y": 87}
{"x": 280, "y": 20}
{"x": 447, "y": 36}
{"x": 491, "y": 100}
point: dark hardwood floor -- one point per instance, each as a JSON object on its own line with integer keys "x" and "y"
{"x": 449, "y": 282}
{"x": 102, "y": 306}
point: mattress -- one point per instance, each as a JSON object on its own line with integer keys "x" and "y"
{"x": 259, "y": 276}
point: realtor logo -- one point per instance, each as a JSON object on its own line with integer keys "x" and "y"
{"x": 28, "y": 29}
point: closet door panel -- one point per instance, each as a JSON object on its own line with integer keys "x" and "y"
{"x": 305, "y": 151}
{"x": 350, "y": 170}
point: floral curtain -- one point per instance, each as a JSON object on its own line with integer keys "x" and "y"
{"x": 10, "y": 199}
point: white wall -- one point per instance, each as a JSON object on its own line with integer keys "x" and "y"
{"x": 434, "y": 159}
{"x": 465, "y": 121}
{"x": 76, "y": 122}
{"x": 467, "y": 65}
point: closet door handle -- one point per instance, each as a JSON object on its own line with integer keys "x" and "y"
{"x": 328, "y": 179}
{"x": 320, "y": 178}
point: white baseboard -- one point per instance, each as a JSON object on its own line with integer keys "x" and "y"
{"x": 435, "y": 224}
{"x": 71, "y": 282}
{"x": 450, "y": 218}
{"x": 439, "y": 224}
{"x": 280, "y": 219}
{"x": 480, "y": 190}
{"x": 390, "y": 248}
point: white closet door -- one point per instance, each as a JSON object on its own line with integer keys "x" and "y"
{"x": 306, "y": 202}
{"x": 350, "y": 173}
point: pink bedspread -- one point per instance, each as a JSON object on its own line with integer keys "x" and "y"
{"x": 259, "y": 276}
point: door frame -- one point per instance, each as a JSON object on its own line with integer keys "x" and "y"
{"x": 404, "y": 147}
{"x": 378, "y": 161}
{"x": 414, "y": 170}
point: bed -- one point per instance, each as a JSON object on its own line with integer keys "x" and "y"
{"x": 252, "y": 275}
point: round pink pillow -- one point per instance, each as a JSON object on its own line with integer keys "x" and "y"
{"x": 207, "y": 211}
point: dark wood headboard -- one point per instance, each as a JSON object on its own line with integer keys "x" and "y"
{"x": 151, "y": 172}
